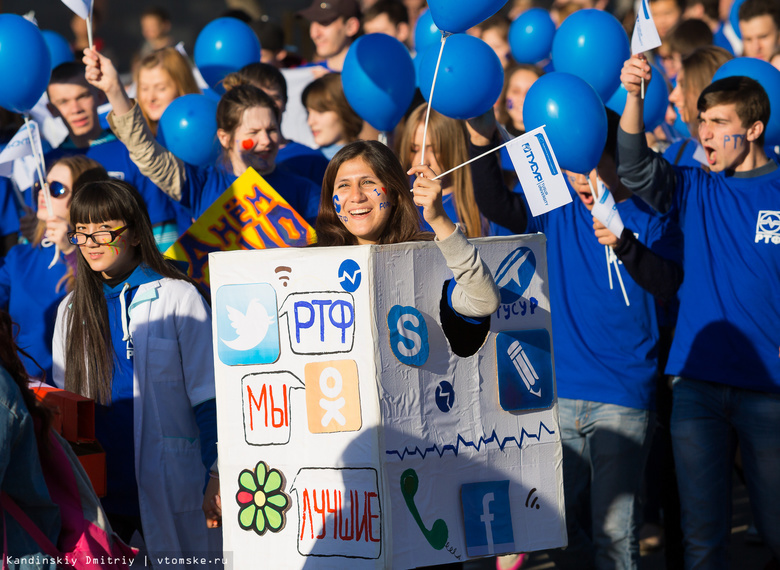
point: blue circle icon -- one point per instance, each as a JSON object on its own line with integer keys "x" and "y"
{"x": 445, "y": 396}
{"x": 349, "y": 275}
{"x": 515, "y": 273}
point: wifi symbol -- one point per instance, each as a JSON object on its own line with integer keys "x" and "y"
{"x": 281, "y": 270}
{"x": 534, "y": 503}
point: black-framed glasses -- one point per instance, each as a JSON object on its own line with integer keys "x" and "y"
{"x": 101, "y": 238}
{"x": 56, "y": 189}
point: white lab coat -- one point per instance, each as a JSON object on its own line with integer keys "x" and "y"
{"x": 173, "y": 370}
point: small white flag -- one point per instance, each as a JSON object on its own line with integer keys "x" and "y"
{"x": 605, "y": 210}
{"x": 19, "y": 146}
{"x": 537, "y": 169}
{"x": 645, "y": 36}
{"x": 82, "y": 8}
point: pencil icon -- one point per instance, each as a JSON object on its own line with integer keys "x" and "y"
{"x": 524, "y": 368}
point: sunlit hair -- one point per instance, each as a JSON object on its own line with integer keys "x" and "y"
{"x": 749, "y": 98}
{"x": 404, "y": 222}
{"x": 327, "y": 94}
{"x": 698, "y": 69}
{"x": 178, "y": 69}
{"x": 238, "y": 98}
{"x": 502, "y": 114}
{"x": 262, "y": 75}
{"x": 88, "y": 331}
{"x": 448, "y": 139}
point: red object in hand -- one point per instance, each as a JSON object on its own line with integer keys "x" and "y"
{"x": 248, "y": 144}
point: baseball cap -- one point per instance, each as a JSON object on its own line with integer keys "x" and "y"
{"x": 326, "y": 11}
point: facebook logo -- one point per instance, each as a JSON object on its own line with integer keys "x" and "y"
{"x": 488, "y": 518}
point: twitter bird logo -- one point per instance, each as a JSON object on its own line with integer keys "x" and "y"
{"x": 247, "y": 324}
{"x": 251, "y": 327}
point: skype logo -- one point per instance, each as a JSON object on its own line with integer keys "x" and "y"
{"x": 408, "y": 335}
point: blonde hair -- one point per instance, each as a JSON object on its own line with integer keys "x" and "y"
{"x": 178, "y": 69}
{"x": 448, "y": 138}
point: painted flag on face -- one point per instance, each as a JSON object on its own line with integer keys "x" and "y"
{"x": 82, "y": 8}
{"x": 645, "y": 36}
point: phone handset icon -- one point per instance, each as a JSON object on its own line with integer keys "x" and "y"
{"x": 438, "y": 534}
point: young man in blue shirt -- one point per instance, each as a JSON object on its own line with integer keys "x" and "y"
{"x": 73, "y": 99}
{"x": 725, "y": 351}
{"x": 605, "y": 345}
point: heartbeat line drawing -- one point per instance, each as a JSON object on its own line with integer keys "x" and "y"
{"x": 478, "y": 445}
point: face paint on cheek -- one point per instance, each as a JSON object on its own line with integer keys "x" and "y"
{"x": 247, "y": 144}
{"x": 383, "y": 205}
{"x": 343, "y": 219}
{"x": 337, "y": 204}
{"x": 510, "y": 104}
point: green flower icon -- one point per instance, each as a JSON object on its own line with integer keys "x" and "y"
{"x": 261, "y": 499}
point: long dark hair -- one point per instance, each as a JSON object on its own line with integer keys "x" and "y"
{"x": 404, "y": 222}
{"x": 89, "y": 364}
{"x": 10, "y": 361}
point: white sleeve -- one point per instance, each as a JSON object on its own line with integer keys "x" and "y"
{"x": 475, "y": 293}
{"x": 58, "y": 343}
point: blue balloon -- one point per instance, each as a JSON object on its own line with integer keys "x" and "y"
{"x": 656, "y": 100}
{"x": 592, "y": 45}
{"x": 425, "y": 32}
{"x": 225, "y": 45}
{"x": 59, "y": 48}
{"x": 457, "y": 16}
{"x": 470, "y": 77}
{"x": 574, "y": 117}
{"x": 531, "y": 36}
{"x": 379, "y": 79}
{"x": 188, "y": 128}
{"x": 769, "y": 78}
{"x": 25, "y": 63}
{"x": 734, "y": 17}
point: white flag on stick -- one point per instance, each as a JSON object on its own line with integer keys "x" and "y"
{"x": 645, "y": 36}
{"x": 19, "y": 146}
{"x": 605, "y": 210}
{"x": 537, "y": 168}
{"x": 82, "y": 8}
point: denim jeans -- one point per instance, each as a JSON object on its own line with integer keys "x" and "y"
{"x": 708, "y": 421}
{"x": 605, "y": 448}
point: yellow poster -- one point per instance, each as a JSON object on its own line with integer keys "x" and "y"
{"x": 250, "y": 214}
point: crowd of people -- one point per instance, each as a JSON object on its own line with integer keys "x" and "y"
{"x": 667, "y": 385}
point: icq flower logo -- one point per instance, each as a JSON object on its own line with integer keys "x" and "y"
{"x": 261, "y": 499}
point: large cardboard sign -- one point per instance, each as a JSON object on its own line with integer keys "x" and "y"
{"x": 350, "y": 435}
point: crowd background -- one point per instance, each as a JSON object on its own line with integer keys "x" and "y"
{"x": 122, "y": 35}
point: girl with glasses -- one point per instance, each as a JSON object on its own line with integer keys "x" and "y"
{"x": 32, "y": 280}
{"x": 135, "y": 335}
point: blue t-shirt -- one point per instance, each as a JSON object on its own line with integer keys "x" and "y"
{"x": 29, "y": 292}
{"x": 605, "y": 350}
{"x": 113, "y": 155}
{"x": 205, "y": 184}
{"x": 727, "y": 329}
{"x": 686, "y": 158}
{"x": 9, "y": 210}
{"x": 304, "y": 161}
{"x": 114, "y": 423}
{"x": 720, "y": 39}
